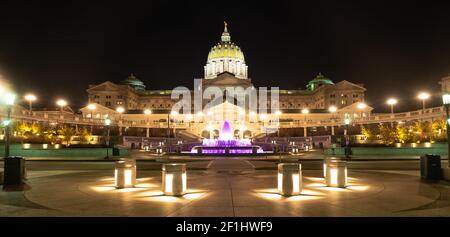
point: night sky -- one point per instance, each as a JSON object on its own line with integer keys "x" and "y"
{"x": 55, "y": 49}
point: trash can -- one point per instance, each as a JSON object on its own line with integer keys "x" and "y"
{"x": 430, "y": 167}
{"x": 14, "y": 171}
{"x": 115, "y": 151}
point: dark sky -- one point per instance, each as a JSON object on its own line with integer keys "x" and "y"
{"x": 394, "y": 47}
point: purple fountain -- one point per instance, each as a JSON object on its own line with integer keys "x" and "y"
{"x": 227, "y": 144}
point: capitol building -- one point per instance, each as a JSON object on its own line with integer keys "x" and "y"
{"x": 322, "y": 102}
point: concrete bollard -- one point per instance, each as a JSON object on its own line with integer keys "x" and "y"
{"x": 132, "y": 162}
{"x": 289, "y": 179}
{"x": 123, "y": 175}
{"x": 174, "y": 179}
{"x": 336, "y": 174}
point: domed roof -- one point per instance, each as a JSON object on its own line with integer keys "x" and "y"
{"x": 134, "y": 82}
{"x": 319, "y": 80}
{"x": 225, "y": 48}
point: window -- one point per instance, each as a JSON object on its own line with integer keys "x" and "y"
{"x": 96, "y": 96}
{"x": 120, "y": 97}
{"x": 332, "y": 95}
{"x": 108, "y": 103}
{"x": 120, "y": 102}
{"x": 355, "y": 95}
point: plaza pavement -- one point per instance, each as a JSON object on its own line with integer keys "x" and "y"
{"x": 223, "y": 187}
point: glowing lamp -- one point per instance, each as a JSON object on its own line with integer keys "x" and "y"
{"x": 336, "y": 174}
{"x": 57, "y": 146}
{"x": 174, "y": 179}
{"x": 289, "y": 179}
{"x": 44, "y": 146}
{"x": 123, "y": 175}
{"x": 26, "y": 146}
{"x": 326, "y": 161}
{"x": 446, "y": 99}
{"x": 132, "y": 163}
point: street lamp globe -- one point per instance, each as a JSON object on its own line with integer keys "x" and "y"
{"x": 392, "y": 101}
{"x": 9, "y": 98}
{"x": 61, "y": 102}
{"x": 278, "y": 112}
{"x": 30, "y": 97}
{"x": 305, "y": 111}
{"x": 174, "y": 113}
{"x": 423, "y": 96}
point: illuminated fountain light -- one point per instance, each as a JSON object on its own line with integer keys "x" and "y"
{"x": 226, "y": 144}
{"x": 174, "y": 179}
{"x": 336, "y": 174}
{"x": 123, "y": 175}
{"x": 289, "y": 179}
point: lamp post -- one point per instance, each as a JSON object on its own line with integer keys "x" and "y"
{"x": 120, "y": 110}
{"x": 347, "y": 122}
{"x": 332, "y": 109}
{"x": 446, "y": 102}
{"x": 147, "y": 112}
{"x": 30, "y": 98}
{"x": 305, "y": 128}
{"x": 423, "y": 96}
{"x": 91, "y": 108}
{"x": 108, "y": 126}
{"x": 278, "y": 113}
{"x": 61, "y": 103}
{"x": 173, "y": 113}
{"x": 9, "y": 102}
{"x": 392, "y": 102}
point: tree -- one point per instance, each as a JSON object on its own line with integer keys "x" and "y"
{"x": 84, "y": 134}
{"x": 67, "y": 133}
{"x": 387, "y": 134}
{"x": 369, "y": 133}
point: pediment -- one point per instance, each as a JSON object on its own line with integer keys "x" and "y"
{"x": 348, "y": 85}
{"x": 227, "y": 79}
{"x": 105, "y": 86}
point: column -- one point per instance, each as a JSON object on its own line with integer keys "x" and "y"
{"x": 305, "y": 131}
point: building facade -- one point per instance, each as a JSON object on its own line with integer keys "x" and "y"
{"x": 226, "y": 66}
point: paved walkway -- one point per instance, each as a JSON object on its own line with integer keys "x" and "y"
{"x": 225, "y": 187}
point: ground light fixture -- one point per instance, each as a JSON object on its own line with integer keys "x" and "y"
{"x": 123, "y": 175}
{"x": 325, "y": 164}
{"x": 174, "y": 179}
{"x": 289, "y": 179}
{"x": 336, "y": 174}
{"x": 132, "y": 163}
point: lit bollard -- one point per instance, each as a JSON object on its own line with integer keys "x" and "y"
{"x": 336, "y": 174}
{"x": 174, "y": 179}
{"x": 327, "y": 160}
{"x": 289, "y": 179}
{"x": 124, "y": 175}
{"x": 132, "y": 162}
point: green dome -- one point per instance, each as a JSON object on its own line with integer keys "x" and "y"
{"x": 134, "y": 83}
{"x": 318, "y": 81}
